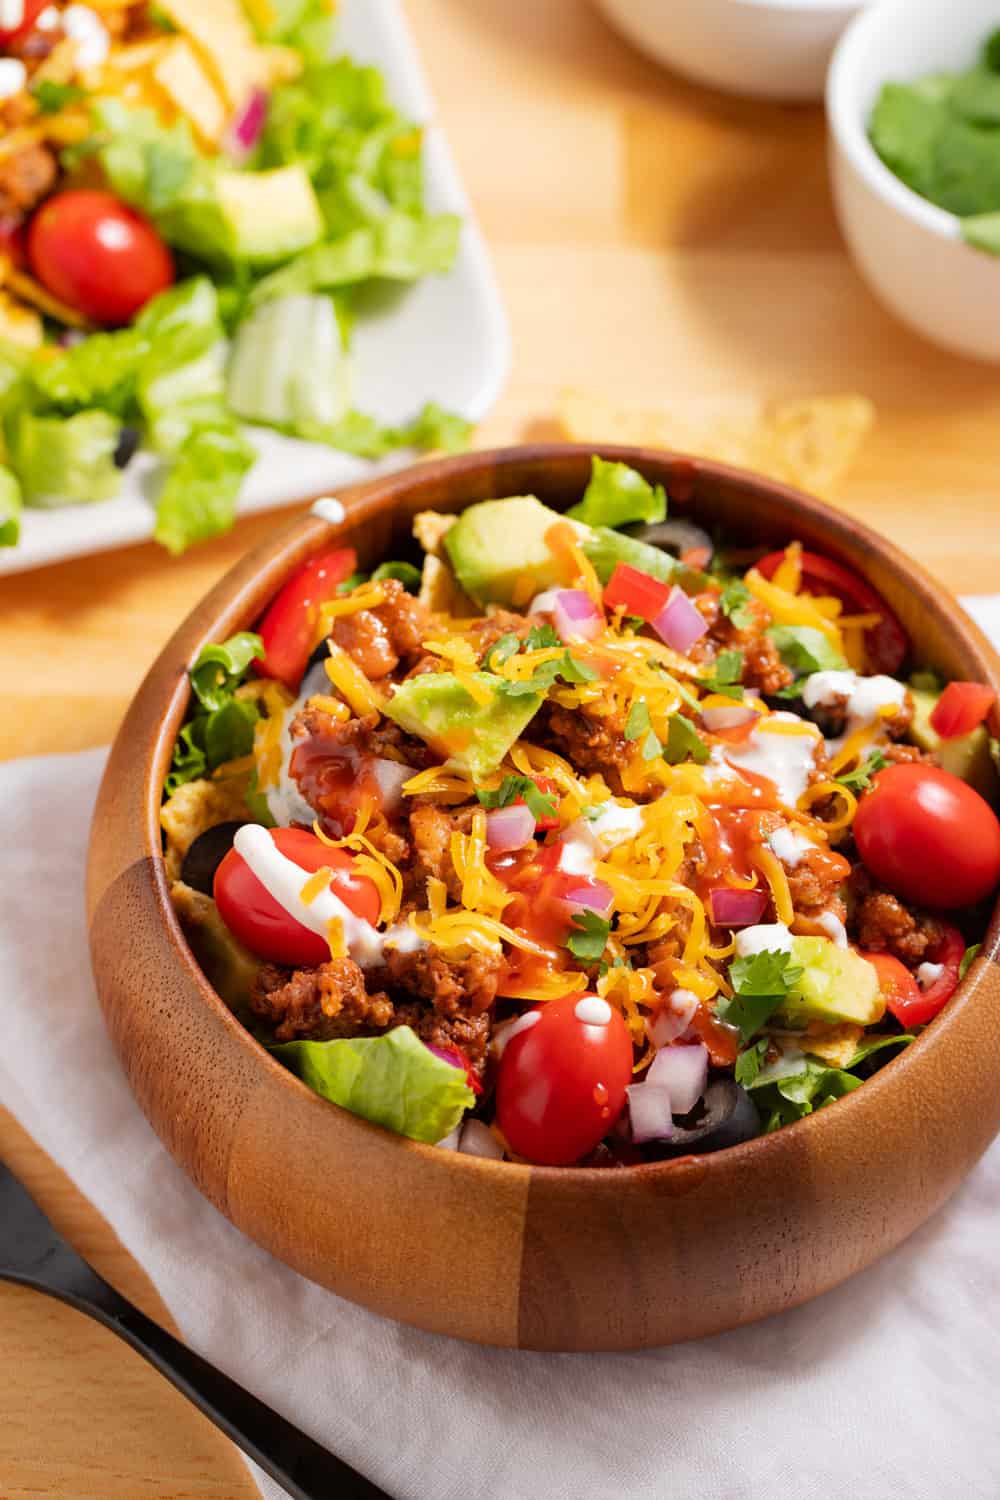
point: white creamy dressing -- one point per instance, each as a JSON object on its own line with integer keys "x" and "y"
{"x": 13, "y": 77}
{"x": 592, "y": 1011}
{"x": 929, "y": 974}
{"x": 48, "y": 20}
{"x": 790, "y": 847}
{"x": 590, "y": 839}
{"x": 85, "y": 27}
{"x": 508, "y": 1030}
{"x": 766, "y": 937}
{"x": 866, "y": 697}
{"x": 283, "y": 879}
{"x": 787, "y": 760}
{"x": 11, "y": 14}
{"x": 477, "y": 1139}
{"x": 328, "y": 509}
{"x": 673, "y": 1018}
{"x": 833, "y": 927}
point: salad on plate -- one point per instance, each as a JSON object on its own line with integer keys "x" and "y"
{"x": 197, "y": 202}
{"x": 585, "y": 839}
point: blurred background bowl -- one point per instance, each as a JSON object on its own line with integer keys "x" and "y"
{"x": 910, "y": 251}
{"x": 768, "y": 49}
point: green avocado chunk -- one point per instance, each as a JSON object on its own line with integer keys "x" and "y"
{"x": 500, "y": 556}
{"x": 967, "y": 756}
{"x": 270, "y": 215}
{"x": 472, "y": 736}
{"x": 837, "y": 984}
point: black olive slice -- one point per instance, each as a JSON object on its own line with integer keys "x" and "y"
{"x": 206, "y": 855}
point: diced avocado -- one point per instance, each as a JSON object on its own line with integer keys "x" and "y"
{"x": 499, "y": 552}
{"x": 270, "y": 215}
{"x": 837, "y": 984}
{"x": 605, "y": 548}
{"x": 472, "y": 736}
{"x": 968, "y": 756}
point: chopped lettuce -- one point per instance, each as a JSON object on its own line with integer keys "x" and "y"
{"x": 399, "y": 247}
{"x": 65, "y": 460}
{"x": 606, "y": 548}
{"x": 617, "y": 496}
{"x": 287, "y": 365}
{"x": 10, "y": 509}
{"x": 198, "y": 499}
{"x": 806, "y": 649}
{"x": 392, "y": 1080}
{"x": 222, "y": 728}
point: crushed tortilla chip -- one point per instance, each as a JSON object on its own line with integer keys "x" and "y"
{"x": 429, "y": 527}
{"x": 197, "y": 806}
{"x": 835, "y": 1044}
{"x": 810, "y": 442}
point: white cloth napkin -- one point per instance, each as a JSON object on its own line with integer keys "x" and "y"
{"x": 885, "y": 1387}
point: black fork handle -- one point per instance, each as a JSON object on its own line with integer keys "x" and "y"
{"x": 287, "y": 1455}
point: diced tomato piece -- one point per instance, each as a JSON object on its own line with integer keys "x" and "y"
{"x": 635, "y": 592}
{"x": 961, "y": 708}
{"x": 31, "y": 10}
{"x": 549, "y": 789}
{"x": 908, "y": 1002}
{"x": 886, "y": 644}
{"x": 291, "y": 621}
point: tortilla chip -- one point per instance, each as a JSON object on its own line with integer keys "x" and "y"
{"x": 429, "y": 527}
{"x": 809, "y": 443}
{"x": 197, "y": 806}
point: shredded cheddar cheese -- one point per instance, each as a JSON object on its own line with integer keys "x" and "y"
{"x": 774, "y": 873}
{"x": 351, "y": 682}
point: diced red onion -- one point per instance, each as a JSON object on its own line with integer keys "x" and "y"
{"x": 246, "y": 128}
{"x": 448, "y": 1055}
{"x": 673, "y": 1018}
{"x": 679, "y": 624}
{"x": 390, "y": 776}
{"x": 650, "y": 1112}
{"x": 544, "y": 603}
{"x": 732, "y": 908}
{"x": 509, "y": 828}
{"x": 478, "y": 1139}
{"x": 728, "y": 716}
{"x": 576, "y": 616}
{"x": 681, "y": 1070}
{"x": 591, "y": 895}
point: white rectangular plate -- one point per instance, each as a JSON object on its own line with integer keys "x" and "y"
{"x": 445, "y": 339}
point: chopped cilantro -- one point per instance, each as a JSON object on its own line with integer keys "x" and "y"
{"x": 547, "y": 673}
{"x": 860, "y": 779}
{"x": 726, "y": 674}
{"x": 540, "y": 804}
{"x": 736, "y": 603}
{"x": 634, "y": 622}
{"x": 501, "y": 651}
{"x": 684, "y": 741}
{"x": 51, "y": 96}
{"x": 651, "y": 746}
{"x": 637, "y": 722}
{"x": 748, "y": 1063}
{"x": 540, "y": 637}
{"x": 760, "y": 983}
{"x": 590, "y": 939}
{"x": 616, "y": 963}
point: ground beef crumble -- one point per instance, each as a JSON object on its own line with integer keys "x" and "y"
{"x": 883, "y": 923}
{"x": 381, "y": 639}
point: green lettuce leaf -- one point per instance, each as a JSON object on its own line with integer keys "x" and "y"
{"x": 220, "y": 669}
{"x": 10, "y": 509}
{"x": 400, "y": 247}
{"x": 617, "y": 495}
{"x": 199, "y": 495}
{"x": 805, "y": 649}
{"x": 605, "y": 548}
{"x": 222, "y": 726}
{"x": 392, "y": 1080}
{"x": 404, "y": 572}
{"x": 65, "y": 460}
{"x": 100, "y": 372}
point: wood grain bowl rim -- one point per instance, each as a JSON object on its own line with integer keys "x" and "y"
{"x": 237, "y": 599}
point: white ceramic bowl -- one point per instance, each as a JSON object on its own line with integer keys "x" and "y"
{"x": 770, "y": 49}
{"x": 910, "y": 252}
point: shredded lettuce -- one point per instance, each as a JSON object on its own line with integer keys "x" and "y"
{"x": 617, "y": 496}
{"x": 198, "y": 499}
{"x": 806, "y": 649}
{"x": 65, "y": 461}
{"x": 398, "y": 248}
{"x": 392, "y": 1080}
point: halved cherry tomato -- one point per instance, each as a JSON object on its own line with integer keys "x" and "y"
{"x": 886, "y": 644}
{"x": 32, "y": 9}
{"x": 291, "y": 620}
{"x": 961, "y": 708}
{"x": 928, "y": 836}
{"x": 561, "y": 1083}
{"x": 908, "y": 1002}
{"x": 264, "y": 926}
{"x": 635, "y": 592}
{"x": 899, "y": 989}
{"x": 98, "y": 255}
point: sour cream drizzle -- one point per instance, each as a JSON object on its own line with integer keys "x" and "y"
{"x": 787, "y": 760}
{"x": 283, "y": 879}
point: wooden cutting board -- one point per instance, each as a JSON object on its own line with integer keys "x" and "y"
{"x": 652, "y": 241}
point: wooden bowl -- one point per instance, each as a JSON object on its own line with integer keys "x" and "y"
{"x": 535, "y": 1257}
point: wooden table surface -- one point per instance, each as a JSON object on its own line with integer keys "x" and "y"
{"x": 651, "y": 239}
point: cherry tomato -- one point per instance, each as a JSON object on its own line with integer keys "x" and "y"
{"x": 899, "y": 988}
{"x": 291, "y": 621}
{"x": 961, "y": 708}
{"x": 32, "y": 10}
{"x": 635, "y": 592}
{"x": 12, "y": 240}
{"x": 886, "y": 643}
{"x": 928, "y": 836}
{"x": 98, "y": 255}
{"x": 561, "y": 1082}
{"x": 265, "y": 927}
